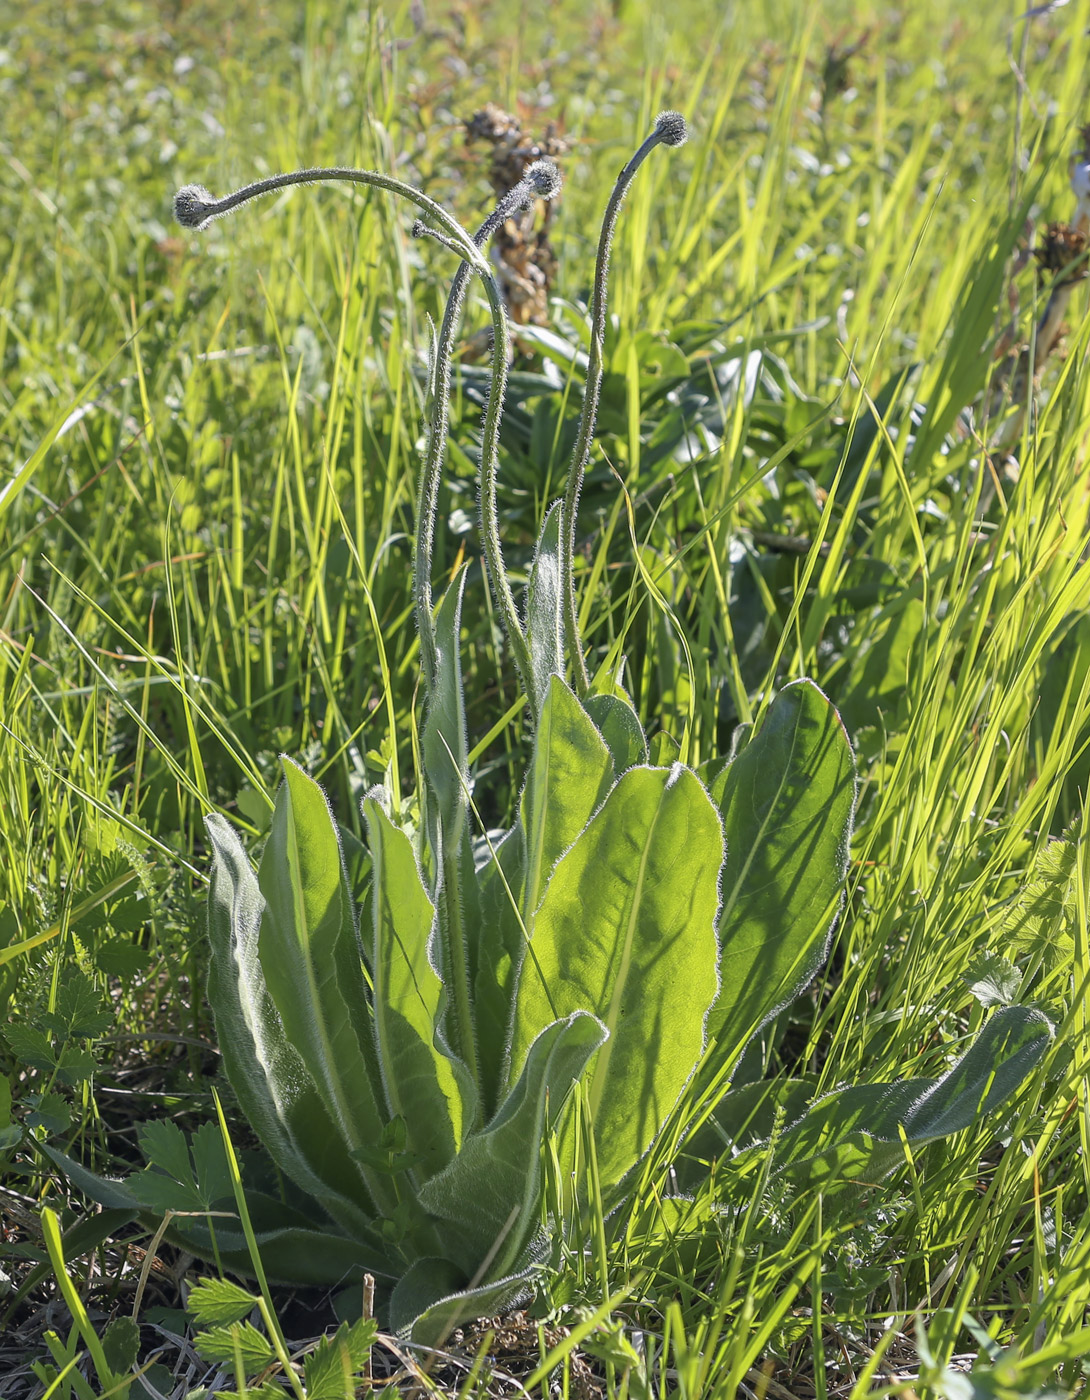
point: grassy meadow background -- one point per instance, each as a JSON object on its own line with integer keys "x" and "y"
{"x": 207, "y": 457}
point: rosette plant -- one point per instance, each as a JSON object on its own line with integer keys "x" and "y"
{"x": 405, "y": 1064}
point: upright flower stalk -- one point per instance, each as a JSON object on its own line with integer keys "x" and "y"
{"x": 195, "y": 208}
{"x": 541, "y": 180}
{"x": 669, "y": 130}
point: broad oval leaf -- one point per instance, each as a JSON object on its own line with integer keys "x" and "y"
{"x": 295, "y": 1256}
{"x": 854, "y": 1134}
{"x": 787, "y": 803}
{"x": 626, "y": 930}
{"x": 620, "y": 727}
{"x": 292, "y": 1251}
{"x": 570, "y": 773}
{"x": 432, "y": 1299}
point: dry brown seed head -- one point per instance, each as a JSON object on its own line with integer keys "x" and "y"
{"x": 1062, "y": 246}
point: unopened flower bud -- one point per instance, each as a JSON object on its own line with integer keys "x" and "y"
{"x": 193, "y": 205}
{"x": 671, "y": 129}
{"x": 543, "y": 178}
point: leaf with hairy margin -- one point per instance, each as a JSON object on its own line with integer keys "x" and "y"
{"x": 501, "y": 939}
{"x": 570, "y": 773}
{"x": 433, "y": 1298}
{"x": 545, "y": 610}
{"x": 267, "y": 1074}
{"x": 854, "y": 1134}
{"x": 425, "y": 1086}
{"x": 443, "y": 741}
{"x": 293, "y": 1250}
{"x": 626, "y": 930}
{"x": 310, "y": 957}
{"x": 787, "y": 802}
{"x": 487, "y": 1201}
{"x": 620, "y": 727}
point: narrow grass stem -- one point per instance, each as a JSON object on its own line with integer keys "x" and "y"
{"x": 669, "y": 130}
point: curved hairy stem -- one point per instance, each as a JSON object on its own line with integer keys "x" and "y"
{"x": 196, "y": 208}
{"x": 670, "y": 130}
{"x": 541, "y": 181}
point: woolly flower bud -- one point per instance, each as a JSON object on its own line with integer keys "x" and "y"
{"x": 543, "y": 178}
{"x": 192, "y": 206}
{"x": 671, "y": 129}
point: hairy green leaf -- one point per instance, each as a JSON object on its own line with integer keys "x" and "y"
{"x": 425, "y": 1086}
{"x": 115, "y": 1195}
{"x": 266, "y": 1072}
{"x": 854, "y": 1134}
{"x": 545, "y": 610}
{"x": 787, "y": 802}
{"x": 429, "y": 1301}
{"x": 292, "y": 1250}
{"x": 501, "y": 938}
{"x": 626, "y": 930}
{"x": 488, "y": 1198}
{"x": 444, "y": 738}
{"x": 570, "y": 772}
{"x": 310, "y": 957}
{"x": 620, "y": 727}
{"x": 291, "y": 1254}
